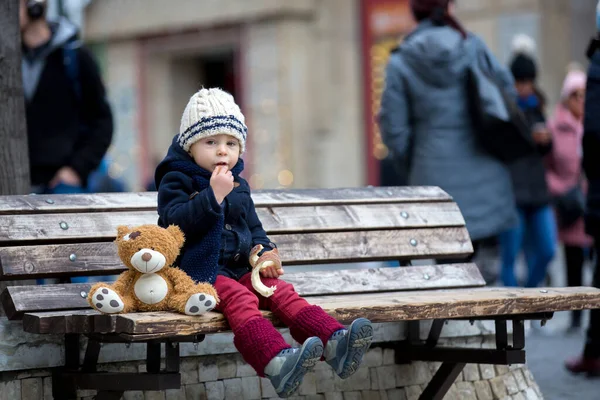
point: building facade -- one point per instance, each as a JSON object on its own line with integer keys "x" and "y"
{"x": 307, "y": 73}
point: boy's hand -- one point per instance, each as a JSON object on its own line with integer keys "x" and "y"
{"x": 274, "y": 270}
{"x": 271, "y": 272}
{"x": 221, "y": 183}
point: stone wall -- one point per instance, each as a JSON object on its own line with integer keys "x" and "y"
{"x": 218, "y": 377}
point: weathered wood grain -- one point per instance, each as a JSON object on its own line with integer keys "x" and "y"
{"x": 36, "y": 204}
{"x": 376, "y": 245}
{"x": 102, "y": 226}
{"x": 381, "y": 307}
{"x": 22, "y": 299}
{"x": 359, "y": 217}
{"x": 49, "y": 261}
{"x": 69, "y": 227}
{"x": 70, "y": 321}
{"x": 364, "y": 195}
{"x": 389, "y": 307}
{"x": 45, "y": 261}
{"x": 316, "y": 283}
{"x": 19, "y": 299}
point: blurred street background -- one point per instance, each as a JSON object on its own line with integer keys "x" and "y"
{"x": 308, "y": 74}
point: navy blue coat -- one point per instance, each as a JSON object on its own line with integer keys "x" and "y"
{"x": 180, "y": 202}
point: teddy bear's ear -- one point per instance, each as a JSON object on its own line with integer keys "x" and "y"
{"x": 177, "y": 234}
{"x": 122, "y": 230}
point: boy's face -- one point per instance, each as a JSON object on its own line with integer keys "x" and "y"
{"x": 214, "y": 151}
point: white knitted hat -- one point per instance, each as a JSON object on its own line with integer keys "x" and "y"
{"x": 211, "y": 112}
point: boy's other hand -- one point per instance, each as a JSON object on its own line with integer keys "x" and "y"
{"x": 221, "y": 183}
{"x": 272, "y": 272}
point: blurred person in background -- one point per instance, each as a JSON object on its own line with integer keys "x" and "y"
{"x": 69, "y": 121}
{"x": 564, "y": 176}
{"x": 426, "y": 123}
{"x": 536, "y": 231}
{"x": 589, "y": 360}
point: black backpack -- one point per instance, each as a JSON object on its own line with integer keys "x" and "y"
{"x": 499, "y": 123}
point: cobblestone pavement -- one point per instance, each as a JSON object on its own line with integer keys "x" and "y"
{"x": 547, "y": 348}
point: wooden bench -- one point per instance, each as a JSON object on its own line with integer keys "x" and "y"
{"x": 71, "y": 235}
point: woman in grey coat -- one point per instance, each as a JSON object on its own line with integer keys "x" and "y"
{"x": 425, "y": 121}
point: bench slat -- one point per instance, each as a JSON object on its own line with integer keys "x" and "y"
{"x": 60, "y": 321}
{"x": 83, "y": 227}
{"x": 316, "y": 283}
{"x": 35, "y": 204}
{"x": 409, "y": 244}
{"x": 359, "y": 217}
{"x": 38, "y": 204}
{"x": 368, "y": 195}
{"x": 103, "y": 226}
{"x": 383, "y": 307}
{"x": 388, "y": 307}
{"x": 21, "y": 299}
{"x": 21, "y": 262}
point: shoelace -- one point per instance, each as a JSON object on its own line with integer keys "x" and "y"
{"x": 287, "y": 351}
{"x": 338, "y": 334}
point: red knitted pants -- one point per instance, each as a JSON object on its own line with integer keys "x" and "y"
{"x": 255, "y": 337}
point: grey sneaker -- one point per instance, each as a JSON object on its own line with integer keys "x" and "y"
{"x": 288, "y": 368}
{"x": 345, "y": 348}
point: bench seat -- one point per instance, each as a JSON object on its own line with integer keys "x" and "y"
{"x": 378, "y": 307}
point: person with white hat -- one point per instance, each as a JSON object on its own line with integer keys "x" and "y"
{"x": 201, "y": 191}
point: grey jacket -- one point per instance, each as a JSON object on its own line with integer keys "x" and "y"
{"x": 425, "y": 123}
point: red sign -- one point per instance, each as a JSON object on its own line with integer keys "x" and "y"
{"x": 384, "y": 23}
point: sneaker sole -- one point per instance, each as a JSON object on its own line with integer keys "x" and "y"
{"x": 360, "y": 335}
{"x": 310, "y": 353}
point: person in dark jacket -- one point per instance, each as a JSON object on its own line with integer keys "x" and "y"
{"x": 536, "y": 232}
{"x": 589, "y": 361}
{"x": 69, "y": 121}
{"x": 201, "y": 191}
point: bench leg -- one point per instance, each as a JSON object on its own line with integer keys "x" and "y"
{"x": 90, "y": 360}
{"x": 153, "y": 357}
{"x": 112, "y": 385}
{"x": 442, "y": 380}
{"x": 172, "y": 357}
{"x": 64, "y": 388}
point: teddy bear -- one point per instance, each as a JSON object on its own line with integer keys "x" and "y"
{"x": 151, "y": 282}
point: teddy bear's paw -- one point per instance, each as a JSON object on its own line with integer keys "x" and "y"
{"x": 200, "y": 303}
{"x": 107, "y": 301}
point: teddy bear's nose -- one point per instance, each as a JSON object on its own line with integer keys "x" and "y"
{"x": 146, "y": 257}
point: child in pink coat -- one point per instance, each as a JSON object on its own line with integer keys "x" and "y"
{"x": 564, "y": 172}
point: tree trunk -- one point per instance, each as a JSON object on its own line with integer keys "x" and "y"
{"x": 14, "y": 158}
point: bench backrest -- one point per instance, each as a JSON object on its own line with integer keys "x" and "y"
{"x": 64, "y": 236}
